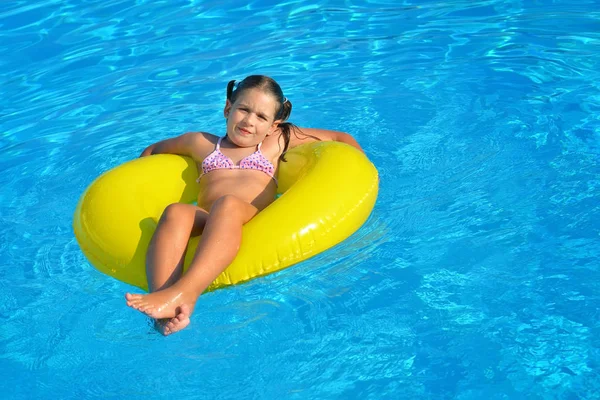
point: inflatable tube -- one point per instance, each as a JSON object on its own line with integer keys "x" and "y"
{"x": 328, "y": 190}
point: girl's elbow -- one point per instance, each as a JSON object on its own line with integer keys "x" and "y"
{"x": 343, "y": 137}
{"x": 349, "y": 139}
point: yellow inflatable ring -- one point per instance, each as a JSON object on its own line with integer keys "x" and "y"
{"x": 328, "y": 190}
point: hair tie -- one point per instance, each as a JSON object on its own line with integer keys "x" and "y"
{"x": 285, "y": 100}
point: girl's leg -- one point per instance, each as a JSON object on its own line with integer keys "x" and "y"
{"x": 166, "y": 252}
{"x": 219, "y": 245}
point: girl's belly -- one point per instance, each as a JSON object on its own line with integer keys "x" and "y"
{"x": 255, "y": 187}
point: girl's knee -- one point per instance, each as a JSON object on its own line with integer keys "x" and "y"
{"x": 174, "y": 211}
{"x": 227, "y": 202}
{"x": 234, "y": 207}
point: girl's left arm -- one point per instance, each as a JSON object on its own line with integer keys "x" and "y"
{"x": 306, "y": 135}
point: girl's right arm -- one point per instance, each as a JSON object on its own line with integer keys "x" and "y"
{"x": 188, "y": 144}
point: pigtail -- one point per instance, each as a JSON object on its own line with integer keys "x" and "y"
{"x": 285, "y": 127}
{"x": 286, "y": 110}
{"x": 230, "y": 86}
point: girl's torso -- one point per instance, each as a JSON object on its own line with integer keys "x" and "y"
{"x": 247, "y": 173}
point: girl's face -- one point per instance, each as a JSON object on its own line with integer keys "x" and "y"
{"x": 251, "y": 118}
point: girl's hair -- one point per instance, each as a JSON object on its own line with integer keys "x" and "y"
{"x": 267, "y": 85}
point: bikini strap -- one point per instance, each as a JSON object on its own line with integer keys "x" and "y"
{"x": 260, "y": 144}
{"x": 219, "y": 143}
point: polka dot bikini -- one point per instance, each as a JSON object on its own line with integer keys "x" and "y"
{"x": 256, "y": 161}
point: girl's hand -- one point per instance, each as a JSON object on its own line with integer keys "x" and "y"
{"x": 148, "y": 150}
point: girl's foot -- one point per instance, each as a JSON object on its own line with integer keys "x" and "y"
{"x": 175, "y": 324}
{"x": 166, "y": 303}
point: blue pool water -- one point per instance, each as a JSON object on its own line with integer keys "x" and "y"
{"x": 476, "y": 276}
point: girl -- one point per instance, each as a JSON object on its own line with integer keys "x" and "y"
{"x": 237, "y": 181}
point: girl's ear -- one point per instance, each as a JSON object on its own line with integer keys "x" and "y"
{"x": 274, "y": 127}
{"x": 227, "y": 108}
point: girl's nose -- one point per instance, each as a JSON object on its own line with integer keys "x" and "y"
{"x": 249, "y": 119}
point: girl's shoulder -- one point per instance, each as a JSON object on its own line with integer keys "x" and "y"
{"x": 279, "y": 141}
{"x": 199, "y": 144}
{"x": 202, "y": 137}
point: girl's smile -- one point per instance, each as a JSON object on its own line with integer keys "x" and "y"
{"x": 244, "y": 131}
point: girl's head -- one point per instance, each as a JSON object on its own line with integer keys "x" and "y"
{"x": 266, "y": 85}
{"x": 256, "y": 108}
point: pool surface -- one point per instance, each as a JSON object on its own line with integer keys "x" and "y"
{"x": 475, "y": 277}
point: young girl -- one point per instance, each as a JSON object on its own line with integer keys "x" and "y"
{"x": 237, "y": 181}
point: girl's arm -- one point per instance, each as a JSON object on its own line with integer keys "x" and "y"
{"x": 187, "y": 144}
{"x": 307, "y": 135}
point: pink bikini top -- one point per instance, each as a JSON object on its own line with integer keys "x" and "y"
{"x": 218, "y": 160}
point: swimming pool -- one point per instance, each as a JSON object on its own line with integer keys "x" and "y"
{"x": 475, "y": 277}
